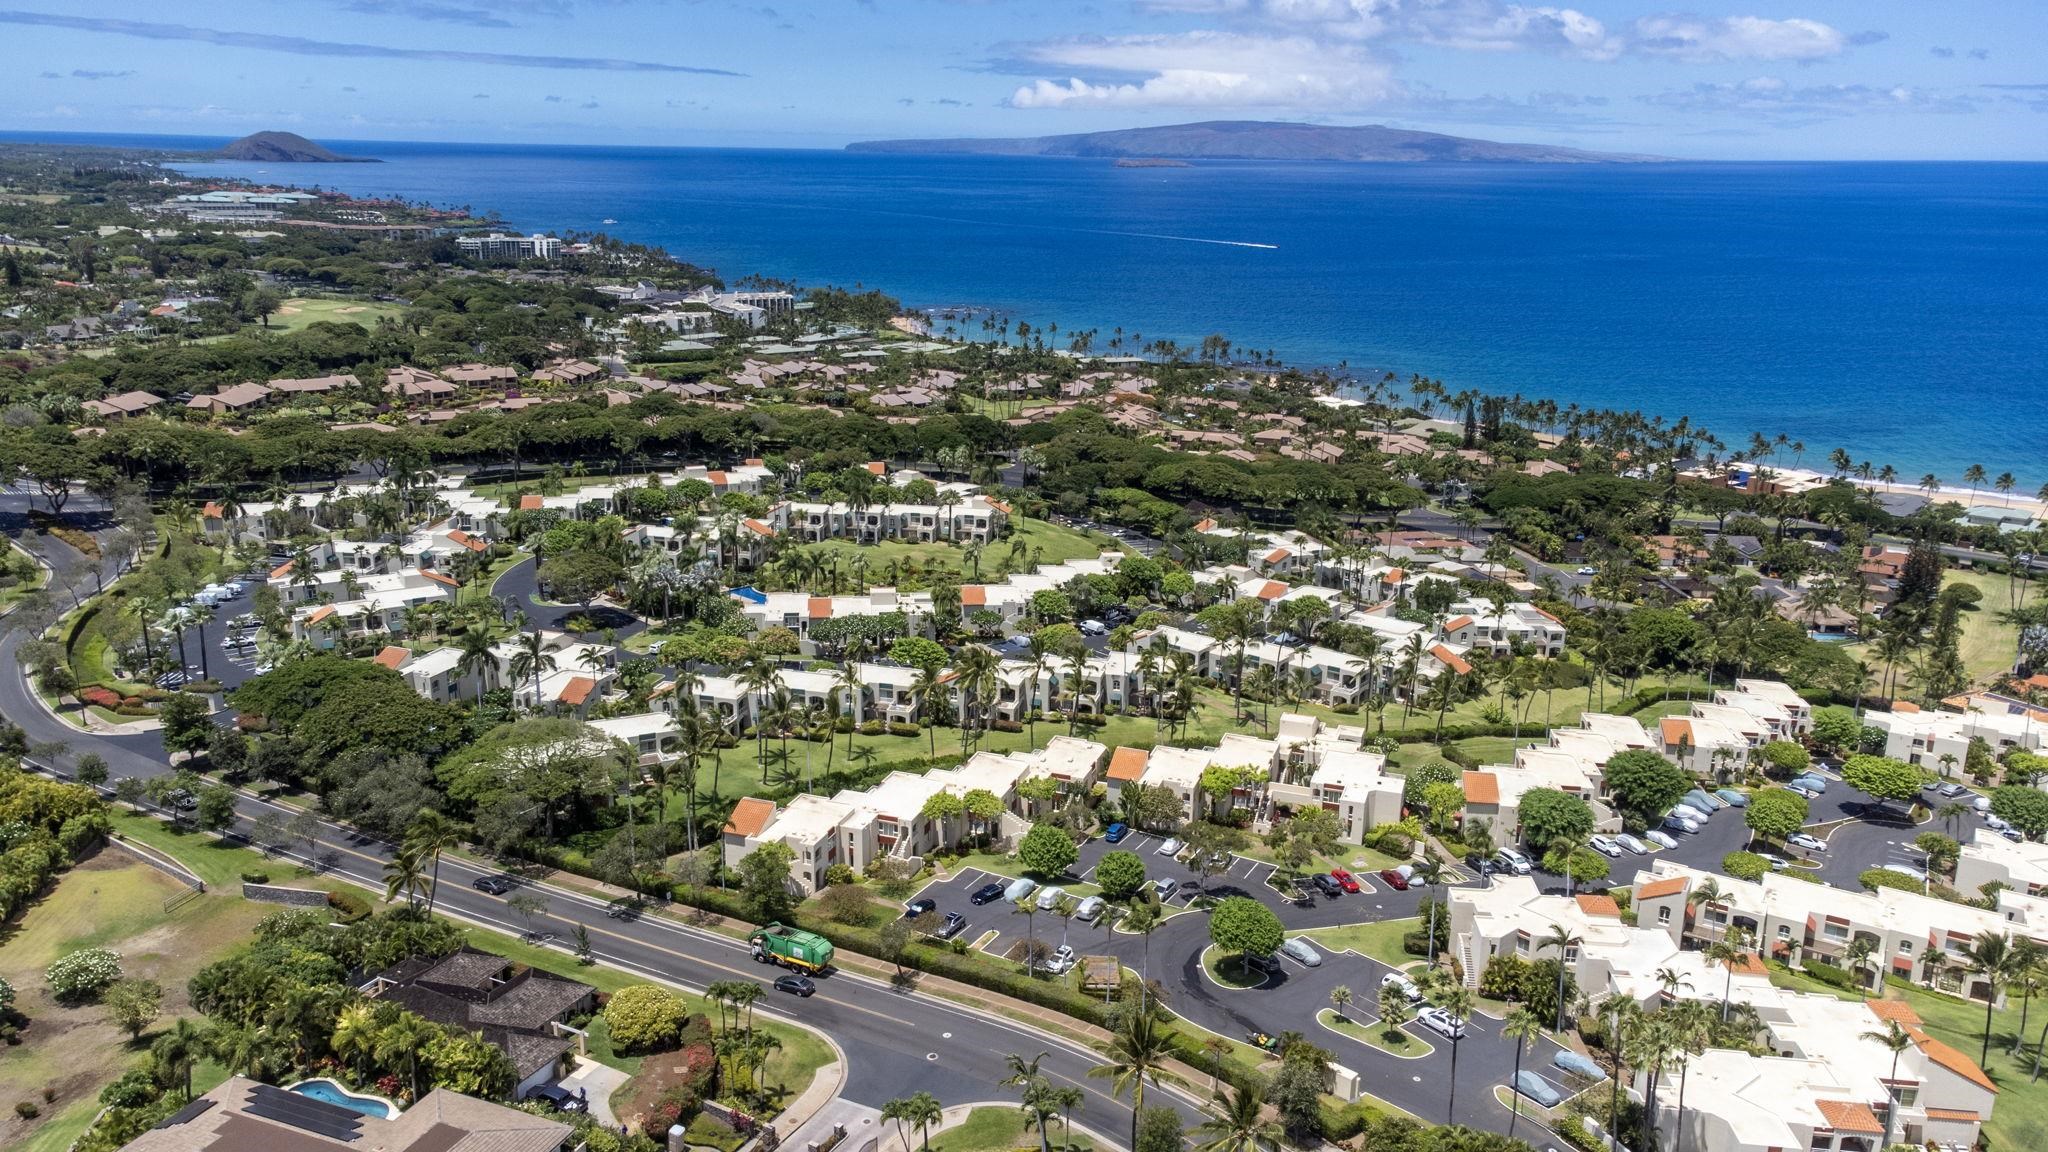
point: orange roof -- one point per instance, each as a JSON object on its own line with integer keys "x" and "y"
{"x": 392, "y": 656}
{"x": 1482, "y": 788}
{"x": 1963, "y": 1114}
{"x": 1546, "y": 616}
{"x": 320, "y": 613}
{"x": 1273, "y": 590}
{"x": 1396, "y": 575}
{"x": 757, "y": 528}
{"x": 998, "y": 505}
{"x": 1753, "y": 964}
{"x": 1598, "y": 905}
{"x": 754, "y": 462}
{"x": 1677, "y": 730}
{"x": 1904, "y": 706}
{"x": 877, "y": 467}
{"x": 529, "y": 502}
{"x": 1459, "y": 622}
{"x": 440, "y": 577}
{"x": 281, "y": 571}
{"x": 1128, "y": 763}
{"x": 1894, "y": 1010}
{"x": 1849, "y": 1116}
{"x": 579, "y": 690}
{"x": 1277, "y": 555}
{"x": 716, "y": 478}
{"x": 820, "y": 607}
{"x": 1205, "y": 526}
{"x": 467, "y": 541}
{"x": 973, "y": 595}
{"x": 1658, "y": 889}
{"x": 1953, "y": 1060}
{"x": 750, "y": 815}
{"x": 1450, "y": 659}
{"x": 212, "y": 511}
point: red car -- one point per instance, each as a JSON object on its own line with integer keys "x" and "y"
{"x": 1395, "y": 880}
{"x": 1344, "y": 879}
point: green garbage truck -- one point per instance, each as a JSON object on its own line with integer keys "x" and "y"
{"x": 791, "y": 948}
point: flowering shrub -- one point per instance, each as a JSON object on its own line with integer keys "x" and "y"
{"x": 101, "y": 696}
{"x": 83, "y": 973}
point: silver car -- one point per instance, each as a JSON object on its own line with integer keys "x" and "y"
{"x": 1300, "y": 950}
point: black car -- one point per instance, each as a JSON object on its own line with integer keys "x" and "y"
{"x": 920, "y": 907}
{"x": 180, "y": 799}
{"x": 558, "y": 1098}
{"x": 1326, "y": 885}
{"x": 495, "y": 885}
{"x": 795, "y": 985}
{"x": 986, "y": 894}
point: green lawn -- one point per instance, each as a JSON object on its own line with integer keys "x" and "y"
{"x": 1226, "y": 969}
{"x": 1401, "y": 1043}
{"x": 1351, "y": 857}
{"x": 1045, "y": 542}
{"x": 13, "y": 593}
{"x": 300, "y": 312}
{"x": 1988, "y": 642}
{"x": 1381, "y": 941}
{"x": 998, "y": 1130}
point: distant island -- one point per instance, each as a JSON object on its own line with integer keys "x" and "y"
{"x": 1149, "y": 162}
{"x": 287, "y": 148}
{"x": 1262, "y": 140}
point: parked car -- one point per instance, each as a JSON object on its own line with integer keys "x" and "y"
{"x": 1019, "y": 889}
{"x": 1533, "y": 1086}
{"x": 1688, "y": 812}
{"x": 1803, "y": 790}
{"x": 1585, "y": 570}
{"x": 1660, "y": 838}
{"x": 1394, "y": 879}
{"x": 1094, "y": 628}
{"x": 1776, "y": 861}
{"x": 1677, "y": 823}
{"x": 795, "y": 985}
{"x": 1049, "y": 896}
{"x": 920, "y": 906}
{"x": 1441, "y": 1022}
{"x": 1164, "y": 887}
{"x": 1632, "y": 845}
{"x": 1950, "y": 790}
{"x": 1808, "y": 842}
{"x": 1326, "y": 885}
{"x": 1171, "y": 847}
{"x": 556, "y": 1097}
{"x": 1606, "y": 846}
{"x": 986, "y": 894}
{"x": 1732, "y": 797}
{"x": 1509, "y": 860}
{"x": 1302, "y": 951}
{"x": 1090, "y": 909}
{"x": 1408, "y": 987}
{"x": 955, "y": 924}
{"x": 495, "y": 885}
{"x": 1346, "y": 880}
{"x": 180, "y": 799}
{"x": 1116, "y": 832}
{"x": 1916, "y": 875}
{"x": 1702, "y": 802}
{"x": 1063, "y": 958}
{"x": 1981, "y": 805}
{"x": 1808, "y": 780}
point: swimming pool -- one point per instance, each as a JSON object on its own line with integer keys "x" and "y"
{"x": 333, "y": 1093}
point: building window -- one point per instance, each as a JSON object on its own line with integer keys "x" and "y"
{"x": 1664, "y": 914}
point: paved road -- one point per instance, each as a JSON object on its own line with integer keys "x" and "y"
{"x": 521, "y": 583}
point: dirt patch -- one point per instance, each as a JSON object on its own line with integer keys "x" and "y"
{"x": 289, "y": 310}
{"x": 351, "y": 310}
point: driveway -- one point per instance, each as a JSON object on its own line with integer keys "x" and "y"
{"x": 521, "y": 583}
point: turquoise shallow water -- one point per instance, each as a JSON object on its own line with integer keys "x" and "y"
{"x": 1894, "y": 309}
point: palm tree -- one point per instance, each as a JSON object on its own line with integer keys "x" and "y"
{"x": 425, "y": 838}
{"x": 1430, "y": 874}
{"x": 1240, "y": 1124}
{"x": 1024, "y": 1075}
{"x": 1524, "y": 1026}
{"x": 401, "y": 1041}
{"x": 1562, "y": 939}
{"x": 1896, "y": 1040}
{"x": 1689, "y": 1033}
{"x": 1136, "y": 1052}
{"x": 355, "y": 1035}
{"x": 402, "y": 873}
{"x": 1730, "y": 950}
{"x": 531, "y": 661}
{"x": 1340, "y": 999}
{"x": 177, "y": 1049}
{"x": 1989, "y": 957}
{"x": 1458, "y": 1002}
{"x": 924, "y": 1110}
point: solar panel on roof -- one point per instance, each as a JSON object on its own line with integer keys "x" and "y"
{"x": 304, "y": 1112}
{"x": 195, "y": 1108}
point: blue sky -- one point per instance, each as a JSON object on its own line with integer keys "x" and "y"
{"x": 1828, "y": 79}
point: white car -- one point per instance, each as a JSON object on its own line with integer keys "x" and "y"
{"x": 1093, "y": 628}
{"x": 1441, "y": 1022}
{"x": 1509, "y": 860}
{"x": 1661, "y": 838}
{"x": 1776, "y": 861}
{"x": 1407, "y": 986}
{"x": 1802, "y": 790}
{"x": 1300, "y": 950}
{"x": 1633, "y": 845}
{"x": 1606, "y": 845}
{"x": 1090, "y": 909}
{"x": 1688, "y": 812}
{"x": 1048, "y": 896}
{"x": 1062, "y": 959}
{"x": 1810, "y": 843}
{"x": 1171, "y": 847}
{"x": 1586, "y": 570}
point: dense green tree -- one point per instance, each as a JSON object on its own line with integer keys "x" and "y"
{"x": 1775, "y": 813}
{"x": 1549, "y": 816}
{"x": 1047, "y": 851}
{"x": 1645, "y": 784}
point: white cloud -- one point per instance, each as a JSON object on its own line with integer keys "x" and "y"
{"x": 1696, "y": 39}
{"x": 1203, "y": 70}
{"x": 1771, "y": 96}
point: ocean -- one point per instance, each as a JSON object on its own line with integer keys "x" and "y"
{"x": 1896, "y": 310}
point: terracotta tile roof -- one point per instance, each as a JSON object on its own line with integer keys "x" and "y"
{"x": 1205, "y": 526}
{"x": 757, "y": 527}
{"x": 755, "y": 462}
{"x": 1658, "y": 889}
{"x": 320, "y": 613}
{"x": 440, "y": 577}
{"x": 1396, "y": 575}
{"x": 973, "y": 595}
{"x": 1482, "y": 788}
{"x": 392, "y": 656}
{"x": 749, "y": 816}
{"x": 1849, "y": 1116}
{"x": 1953, "y": 1060}
{"x": 529, "y": 502}
{"x": 212, "y": 510}
{"x": 1961, "y": 1114}
{"x": 464, "y": 539}
{"x": 1676, "y": 729}
{"x": 1598, "y": 905}
{"x": 998, "y": 505}
{"x": 578, "y": 690}
{"x": 1546, "y": 615}
{"x": 281, "y": 571}
{"x": 877, "y": 467}
{"x": 1894, "y": 1010}
{"x": 1277, "y": 555}
{"x": 1456, "y": 623}
{"x": 1128, "y": 763}
{"x": 820, "y": 607}
{"x": 717, "y": 479}
{"x": 1450, "y": 659}
{"x": 1904, "y": 706}
{"x": 1273, "y": 590}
